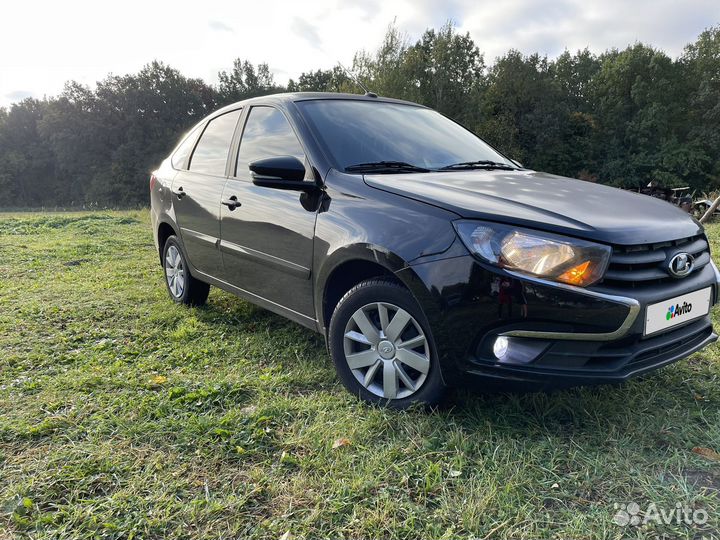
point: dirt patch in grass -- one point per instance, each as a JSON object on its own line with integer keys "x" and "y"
{"x": 708, "y": 480}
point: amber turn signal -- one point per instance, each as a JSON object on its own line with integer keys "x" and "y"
{"x": 578, "y": 275}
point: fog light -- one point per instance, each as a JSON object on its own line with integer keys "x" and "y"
{"x": 500, "y": 347}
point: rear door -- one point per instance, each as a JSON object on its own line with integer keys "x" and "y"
{"x": 197, "y": 191}
{"x": 267, "y": 240}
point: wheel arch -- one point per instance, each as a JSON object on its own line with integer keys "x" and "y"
{"x": 164, "y": 231}
{"x": 349, "y": 266}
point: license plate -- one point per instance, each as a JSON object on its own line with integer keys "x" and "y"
{"x": 678, "y": 310}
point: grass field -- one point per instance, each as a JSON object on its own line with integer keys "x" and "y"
{"x": 123, "y": 415}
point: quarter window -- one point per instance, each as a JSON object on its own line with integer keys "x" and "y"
{"x": 267, "y": 134}
{"x": 179, "y": 157}
{"x": 211, "y": 152}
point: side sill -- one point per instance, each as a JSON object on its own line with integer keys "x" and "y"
{"x": 307, "y": 322}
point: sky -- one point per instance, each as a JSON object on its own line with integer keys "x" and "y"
{"x": 44, "y": 44}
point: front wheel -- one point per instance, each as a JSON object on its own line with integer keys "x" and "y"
{"x": 183, "y": 287}
{"x": 382, "y": 347}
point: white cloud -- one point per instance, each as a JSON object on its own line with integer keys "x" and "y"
{"x": 551, "y": 27}
{"x": 18, "y": 95}
{"x": 307, "y": 32}
{"x": 84, "y": 41}
{"x": 220, "y": 26}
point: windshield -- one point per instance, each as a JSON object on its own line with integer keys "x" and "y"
{"x": 361, "y": 136}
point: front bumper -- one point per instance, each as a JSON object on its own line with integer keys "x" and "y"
{"x": 575, "y": 362}
{"x": 154, "y": 221}
{"x": 575, "y": 336}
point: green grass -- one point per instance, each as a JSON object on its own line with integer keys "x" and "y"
{"x": 123, "y": 415}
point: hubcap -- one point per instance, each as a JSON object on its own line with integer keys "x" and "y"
{"x": 387, "y": 350}
{"x": 174, "y": 271}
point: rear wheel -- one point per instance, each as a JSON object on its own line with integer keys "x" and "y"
{"x": 181, "y": 285}
{"x": 382, "y": 347}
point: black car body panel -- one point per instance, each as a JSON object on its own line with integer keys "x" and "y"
{"x": 394, "y": 232}
{"x": 553, "y": 203}
{"x": 297, "y": 252}
{"x": 456, "y": 294}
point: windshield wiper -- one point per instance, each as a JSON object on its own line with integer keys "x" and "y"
{"x": 482, "y": 164}
{"x": 385, "y": 166}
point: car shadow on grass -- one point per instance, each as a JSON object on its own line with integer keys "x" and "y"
{"x": 641, "y": 406}
{"x": 651, "y": 422}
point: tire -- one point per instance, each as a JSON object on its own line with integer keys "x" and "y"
{"x": 381, "y": 359}
{"x": 182, "y": 287}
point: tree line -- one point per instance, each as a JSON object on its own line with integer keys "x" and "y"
{"x": 623, "y": 117}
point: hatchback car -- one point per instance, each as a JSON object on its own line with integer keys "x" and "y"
{"x": 424, "y": 256}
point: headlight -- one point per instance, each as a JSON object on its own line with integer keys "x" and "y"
{"x": 546, "y": 255}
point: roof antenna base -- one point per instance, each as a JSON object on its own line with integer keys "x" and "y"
{"x": 357, "y": 81}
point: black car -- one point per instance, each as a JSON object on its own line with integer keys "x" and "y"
{"x": 425, "y": 256}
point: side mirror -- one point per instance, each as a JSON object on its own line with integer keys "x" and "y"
{"x": 280, "y": 172}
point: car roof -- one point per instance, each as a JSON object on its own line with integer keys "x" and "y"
{"x": 286, "y": 97}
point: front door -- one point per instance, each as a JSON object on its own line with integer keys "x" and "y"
{"x": 267, "y": 239}
{"x": 197, "y": 192}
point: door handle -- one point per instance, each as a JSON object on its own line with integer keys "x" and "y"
{"x": 179, "y": 192}
{"x": 232, "y": 203}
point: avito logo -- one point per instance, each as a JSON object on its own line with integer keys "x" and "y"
{"x": 677, "y": 310}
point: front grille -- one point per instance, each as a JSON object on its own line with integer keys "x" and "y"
{"x": 650, "y": 350}
{"x": 632, "y": 351}
{"x": 686, "y": 342}
{"x": 646, "y": 264}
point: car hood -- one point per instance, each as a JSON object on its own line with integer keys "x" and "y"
{"x": 546, "y": 201}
